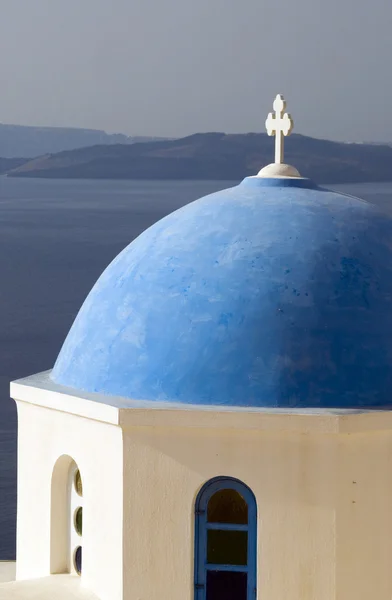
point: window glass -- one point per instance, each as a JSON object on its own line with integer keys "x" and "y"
{"x": 227, "y": 506}
{"x": 78, "y": 520}
{"x": 78, "y": 483}
{"x": 227, "y": 547}
{"x": 225, "y": 585}
{"x": 78, "y": 560}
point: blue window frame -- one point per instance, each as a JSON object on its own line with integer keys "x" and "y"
{"x": 225, "y": 541}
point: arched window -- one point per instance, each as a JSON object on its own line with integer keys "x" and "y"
{"x": 225, "y": 537}
{"x": 66, "y": 517}
{"x": 76, "y": 520}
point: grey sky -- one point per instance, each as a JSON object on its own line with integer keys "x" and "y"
{"x": 174, "y": 67}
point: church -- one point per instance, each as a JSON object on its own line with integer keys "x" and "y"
{"x": 218, "y": 423}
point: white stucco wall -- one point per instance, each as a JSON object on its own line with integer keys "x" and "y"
{"x": 292, "y": 476}
{"x": 364, "y": 516}
{"x": 322, "y": 481}
{"x": 45, "y": 435}
{"x": 324, "y": 503}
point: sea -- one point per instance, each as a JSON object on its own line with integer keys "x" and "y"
{"x": 56, "y": 238}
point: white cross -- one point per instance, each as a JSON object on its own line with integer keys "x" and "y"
{"x": 280, "y": 125}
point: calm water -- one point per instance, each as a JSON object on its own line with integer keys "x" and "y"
{"x": 56, "y": 237}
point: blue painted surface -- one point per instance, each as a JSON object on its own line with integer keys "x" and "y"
{"x": 202, "y": 526}
{"x": 274, "y": 293}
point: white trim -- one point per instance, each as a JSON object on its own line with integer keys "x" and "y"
{"x": 40, "y": 390}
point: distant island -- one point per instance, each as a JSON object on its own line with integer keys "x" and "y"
{"x": 8, "y": 164}
{"x": 24, "y": 140}
{"x": 214, "y": 156}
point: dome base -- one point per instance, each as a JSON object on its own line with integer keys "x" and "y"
{"x": 278, "y": 170}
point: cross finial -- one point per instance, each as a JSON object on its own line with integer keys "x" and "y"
{"x": 280, "y": 124}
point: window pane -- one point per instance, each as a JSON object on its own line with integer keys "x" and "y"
{"x": 227, "y": 506}
{"x": 78, "y": 483}
{"x": 78, "y": 560}
{"x": 78, "y": 520}
{"x": 224, "y": 585}
{"x": 227, "y": 547}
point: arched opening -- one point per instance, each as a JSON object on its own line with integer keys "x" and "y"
{"x": 66, "y": 517}
{"x": 226, "y": 538}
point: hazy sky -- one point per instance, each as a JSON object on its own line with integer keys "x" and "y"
{"x": 175, "y": 67}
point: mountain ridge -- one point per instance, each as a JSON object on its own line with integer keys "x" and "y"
{"x": 29, "y": 140}
{"x": 215, "y": 155}
{"x": 8, "y": 164}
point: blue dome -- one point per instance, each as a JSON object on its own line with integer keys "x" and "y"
{"x": 274, "y": 293}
